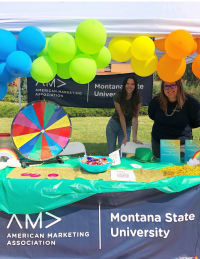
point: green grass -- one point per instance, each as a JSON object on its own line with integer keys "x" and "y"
{"x": 91, "y": 131}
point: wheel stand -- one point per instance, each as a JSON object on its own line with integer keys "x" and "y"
{"x": 51, "y": 161}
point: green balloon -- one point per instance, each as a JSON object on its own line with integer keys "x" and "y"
{"x": 102, "y": 58}
{"x": 44, "y": 52}
{"x": 83, "y": 69}
{"x": 63, "y": 71}
{"x": 78, "y": 51}
{"x": 43, "y": 69}
{"x": 90, "y": 36}
{"x": 61, "y": 47}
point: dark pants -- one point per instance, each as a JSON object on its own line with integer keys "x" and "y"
{"x": 156, "y": 148}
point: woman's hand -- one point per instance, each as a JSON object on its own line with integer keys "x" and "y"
{"x": 124, "y": 141}
{"x": 137, "y": 141}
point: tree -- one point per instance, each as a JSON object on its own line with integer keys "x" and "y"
{"x": 23, "y": 89}
{"x": 156, "y": 76}
{"x": 190, "y": 78}
{"x": 11, "y": 95}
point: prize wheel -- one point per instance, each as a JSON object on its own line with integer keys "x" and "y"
{"x": 41, "y": 130}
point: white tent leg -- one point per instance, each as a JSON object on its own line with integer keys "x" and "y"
{"x": 19, "y": 90}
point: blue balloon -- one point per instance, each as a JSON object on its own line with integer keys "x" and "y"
{"x": 33, "y": 58}
{"x": 29, "y": 75}
{"x": 8, "y": 44}
{"x": 5, "y": 76}
{"x": 3, "y": 90}
{"x": 18, "y": 63}
{"x": 31, "y": 40}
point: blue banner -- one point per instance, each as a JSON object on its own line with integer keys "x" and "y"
{"x": 96, "y": 94}
{"x": 145, "y": 224}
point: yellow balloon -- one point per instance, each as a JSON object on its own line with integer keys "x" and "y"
{"x": 120, "y": 48}
{"x": 144, "y": 67}
{"x": 143, "y": 48}
{"x": 133, "y": 38}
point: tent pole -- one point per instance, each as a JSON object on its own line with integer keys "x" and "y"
{"x": 19, "y": 90}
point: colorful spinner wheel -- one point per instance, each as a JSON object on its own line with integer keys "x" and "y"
{"x": 41, "y": 130}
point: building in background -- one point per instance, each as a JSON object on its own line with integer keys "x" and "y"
{"x": 115, "y": 69}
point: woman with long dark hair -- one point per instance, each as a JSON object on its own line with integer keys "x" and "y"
{"x": 175, "y": 113}
{"x": 127, "y": 106}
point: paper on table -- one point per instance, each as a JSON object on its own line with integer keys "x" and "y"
{"x": 136, "y": 166}
{"x": 122, "y": 175}
{"x": 115, "y": 157}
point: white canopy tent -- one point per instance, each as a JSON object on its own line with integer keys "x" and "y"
{"x": 120, "y": 18}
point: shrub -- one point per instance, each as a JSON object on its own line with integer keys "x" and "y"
{"x": 9, "y": 110}
{"x": 88, "y": 112}
{"x": 10, "y": 98}
{"x": 144, "y": 110}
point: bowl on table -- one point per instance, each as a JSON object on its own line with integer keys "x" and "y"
{"x": 95, "y": 168}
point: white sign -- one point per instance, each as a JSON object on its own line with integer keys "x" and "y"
{"x": 122, "y": 175}
{"x": 115, "y": 157}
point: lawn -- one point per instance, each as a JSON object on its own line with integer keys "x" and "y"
{"x": 91, "y": 131}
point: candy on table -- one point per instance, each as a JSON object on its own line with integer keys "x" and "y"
{"x": 92, "y": 160}
{"x": 171, "y": 171}
{"x": 30, "y": 174}
{"x": 35, "y": 175}
{"x": 53, "y": 175}
{"x": 26, "y": 174}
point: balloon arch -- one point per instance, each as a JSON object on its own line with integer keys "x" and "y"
{"x": 34, "y": 55}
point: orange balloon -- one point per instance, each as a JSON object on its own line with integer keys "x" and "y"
{"x": 160, "y": 44}
{"x": 198, "y": 45}
{"x": 194, "y": 47}
{"x": 169, "y": 69}
{"x": 179, "y": 44}
{"x": 196, "y": 66}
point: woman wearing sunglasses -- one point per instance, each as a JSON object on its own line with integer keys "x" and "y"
{"x": 127, "y": 106}
{"x": 175, "y": 113}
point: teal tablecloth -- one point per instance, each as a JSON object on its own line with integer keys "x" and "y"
{"x": 26, "y": 196}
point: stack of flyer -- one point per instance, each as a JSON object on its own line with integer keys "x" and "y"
{"x": 122, "y": 175}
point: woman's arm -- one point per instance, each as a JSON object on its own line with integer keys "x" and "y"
{"x": 135, "y": 125}
{"x": 152, "y": 108}
{"x": 122, "y": 121}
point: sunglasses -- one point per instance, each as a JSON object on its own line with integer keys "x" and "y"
{"x": 166, "y": 87}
